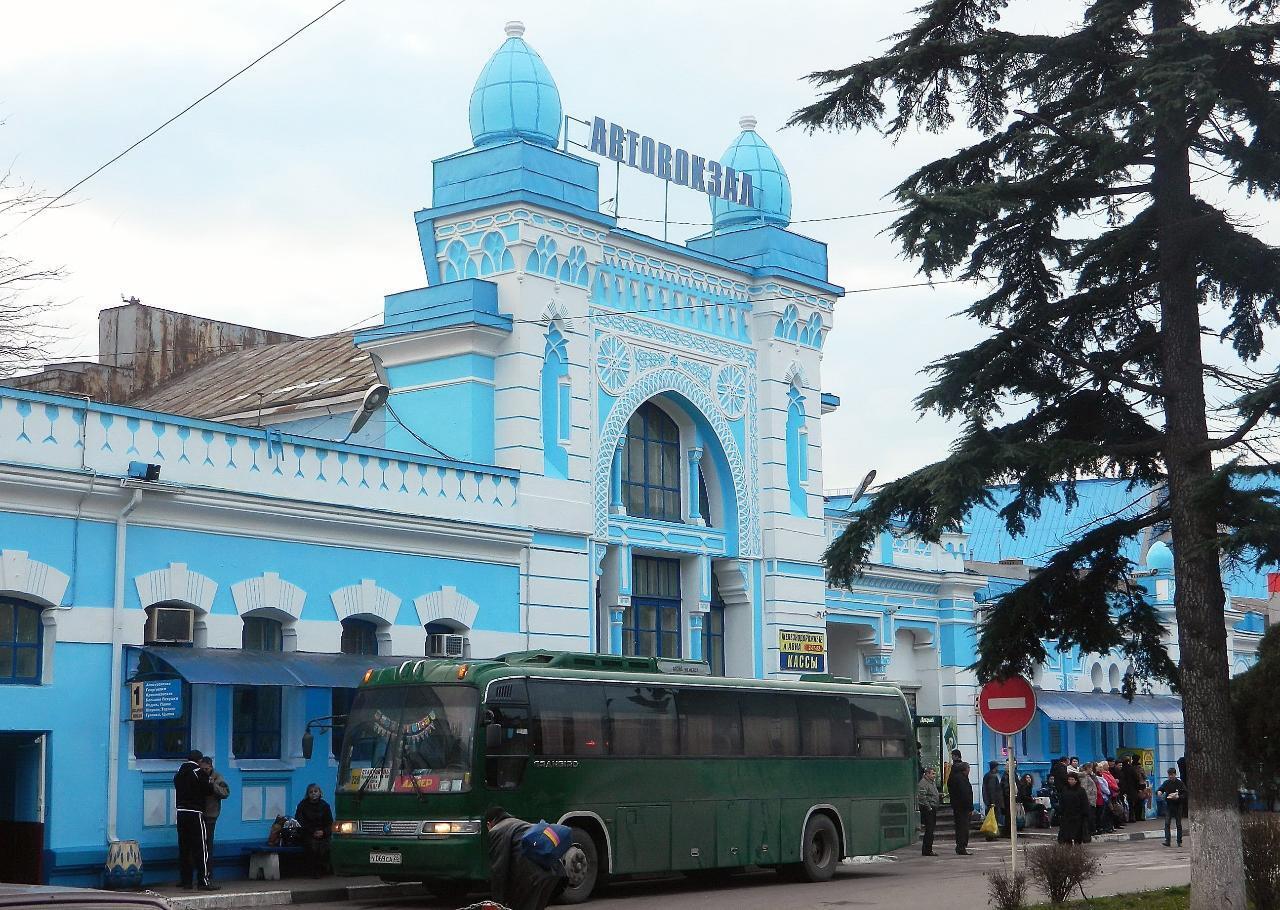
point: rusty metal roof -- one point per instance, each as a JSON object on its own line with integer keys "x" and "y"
{"x": 275, "y": 376}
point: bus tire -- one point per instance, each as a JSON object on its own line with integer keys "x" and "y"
{"x": 819, "y": 849}
{"x": 591, "y": 876}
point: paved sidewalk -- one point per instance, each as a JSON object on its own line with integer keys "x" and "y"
{"x": 246, "y": 893}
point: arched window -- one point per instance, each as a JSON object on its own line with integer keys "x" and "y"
{"x": 556, "y": 403}
{"x": 21, "y": 633}
{"x": 359, "y": 636}
{"x": 651, "y": 466}
{"x": 162, "y": 739}
{"x": 255, "y": 710}
{"x": 797, "y": 452}
{"x": 445, "y": 640}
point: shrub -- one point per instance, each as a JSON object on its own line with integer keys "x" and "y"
{"x": 1261, "y": 835}
{"x": 1006, "y": 890}
{"x": 1060, "y": 869}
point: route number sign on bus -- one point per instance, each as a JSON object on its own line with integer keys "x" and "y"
{"x": 802, "y": 652}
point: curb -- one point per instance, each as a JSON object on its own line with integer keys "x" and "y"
{"x": 238, "y": 899}
{"x": 1114, "y": 838}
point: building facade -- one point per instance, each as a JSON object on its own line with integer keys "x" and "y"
{"x": 591, "y": 440}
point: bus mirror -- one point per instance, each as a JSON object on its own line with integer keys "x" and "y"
{"x": 493, "y": 736}
{"x": 308, "y": 743}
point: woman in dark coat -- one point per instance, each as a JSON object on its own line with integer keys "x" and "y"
{"x": 316, "y": 819}
{"x": 1073, "y": 812}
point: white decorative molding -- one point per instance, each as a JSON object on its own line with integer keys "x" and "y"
{"x": 176, "y": 583}
{"x": 795, "y": 374}
{"x": 31, "y": 579}
{"x": 366, "y": 600}
{"x": 268, "y": 592}
{"x": 447, "y": 605}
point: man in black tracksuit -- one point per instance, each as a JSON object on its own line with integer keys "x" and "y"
{"x": 192, "y": 787}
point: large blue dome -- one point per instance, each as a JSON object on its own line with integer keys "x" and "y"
{"x": 515, "y": 96}
{"x": 751, "y": 155}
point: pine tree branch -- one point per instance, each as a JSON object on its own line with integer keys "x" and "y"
{"x": 1104, "y": 373}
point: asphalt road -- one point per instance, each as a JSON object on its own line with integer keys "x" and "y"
{"x": 912, "y": 882}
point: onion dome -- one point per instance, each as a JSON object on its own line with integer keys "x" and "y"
{"x": 1160, "y": 557}
{"x": 515, "y": 96}
{"x": 749, "y": 154}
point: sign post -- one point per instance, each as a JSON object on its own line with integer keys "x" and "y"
{"x": 1007, "y": 707}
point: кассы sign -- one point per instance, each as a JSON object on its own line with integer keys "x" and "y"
{"x": 706, "y": 175}
{"x": 802, "y": 652}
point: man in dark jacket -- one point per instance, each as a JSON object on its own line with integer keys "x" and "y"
{"x": 316, "y": 820}
{"x": 191, "y": 789}
{"x": 1074, "y": 812}
{"x": 515, "y": 880}
{"x": 993, "y": 794}
{"x": 960, "y": 791}
{"x": 1175, "y": 804}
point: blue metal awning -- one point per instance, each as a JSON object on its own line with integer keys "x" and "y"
{"x": 233, "y": 667}
{"x": 1109, "y": 707}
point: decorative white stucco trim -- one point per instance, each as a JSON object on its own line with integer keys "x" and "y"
{"x": 447, "y": 605}
{"x": 176, "y": 583}
{"x": 366, "y": 600}
{"x": 31, "y": 579}
{"x": 268, "y": 592}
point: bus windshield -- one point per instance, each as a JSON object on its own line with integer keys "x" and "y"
{"x": 409, "y": 739}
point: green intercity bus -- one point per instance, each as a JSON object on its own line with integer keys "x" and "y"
{"x": 655, "y": 768}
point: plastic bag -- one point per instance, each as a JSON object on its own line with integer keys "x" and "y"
{"x": 1020, "y": 817}
{"x": 990, "y": 827}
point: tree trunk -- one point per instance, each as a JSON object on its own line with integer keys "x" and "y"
{"x": 1217, "y": 865}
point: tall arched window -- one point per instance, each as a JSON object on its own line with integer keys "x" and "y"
{"x": 651, "y": 466}
{"x": 797, "y": 452}
{"x": 556, "y": 400}
{"x": 359, "y": 636}
{"x": 255, "y": 710}
{"x": 20, "y": 642}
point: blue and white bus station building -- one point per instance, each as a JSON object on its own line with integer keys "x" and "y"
{"x": 591, "y": 440}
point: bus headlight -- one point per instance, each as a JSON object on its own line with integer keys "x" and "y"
{"x": 447, "y": 828}
{"x": 344, "y": 827}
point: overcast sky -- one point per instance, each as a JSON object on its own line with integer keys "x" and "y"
{"x": 286, "y": 200}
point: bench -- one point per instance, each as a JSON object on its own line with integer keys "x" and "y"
{"x": 264, "y": 861}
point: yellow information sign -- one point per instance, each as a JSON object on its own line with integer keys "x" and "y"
{"x": 802, "y": 652}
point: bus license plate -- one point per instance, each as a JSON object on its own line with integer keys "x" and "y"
{"x": 384, "y": 859}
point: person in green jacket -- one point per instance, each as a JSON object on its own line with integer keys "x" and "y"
{"x": 929, "y": 799}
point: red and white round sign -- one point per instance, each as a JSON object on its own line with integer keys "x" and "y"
{"x": 1007, "y": 706}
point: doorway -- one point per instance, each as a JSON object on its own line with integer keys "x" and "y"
{"x": 22, "y": 807}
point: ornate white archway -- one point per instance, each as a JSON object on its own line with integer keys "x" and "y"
{"x": 447, "y": 606}
{"x": 366, "y": 600}
{"x": 675, "y": 381}
{"x": 176, "y": 582}
{"x": 268, "y": 592}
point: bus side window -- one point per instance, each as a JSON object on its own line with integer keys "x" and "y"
{"x": 881, "y": 726}
{"x": 710, "y": 723}
{"x": 826, "y": 727}
{"x": 504, "y": 766}
{"x": 568, "y": 718}
{"x": 769, "y": 724}
{"x": 642, "y": 720}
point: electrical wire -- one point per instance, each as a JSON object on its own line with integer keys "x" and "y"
{"x": 792, "y": 221}
{"x": 225, "y": 82}
{"x": 408, "y": 429}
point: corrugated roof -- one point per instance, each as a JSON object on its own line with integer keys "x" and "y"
{"x": 1099, "y": 501}
{"x": 271, "y": 376}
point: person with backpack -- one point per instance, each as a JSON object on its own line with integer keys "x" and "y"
{"x": 525, "y": 866}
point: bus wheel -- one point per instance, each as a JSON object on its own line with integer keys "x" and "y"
{"x": 821, "y": 849}
{"x": 449, "y": 890}
{"x": 583, "y": 865}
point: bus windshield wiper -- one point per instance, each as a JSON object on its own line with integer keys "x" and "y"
{"x": 359, "y": 794}
{"x": 413, "y": 777}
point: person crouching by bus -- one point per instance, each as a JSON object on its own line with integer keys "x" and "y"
{"x": 316, "y": 820}
{"x": 191, "y": 788}
{"x": 515, "y": 880}
{"x": 930, "y": 799}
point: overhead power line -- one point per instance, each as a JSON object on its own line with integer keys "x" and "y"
{"x": 221, "y": 85}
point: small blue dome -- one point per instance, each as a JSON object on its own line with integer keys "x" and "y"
{"x": 749, "y": 154}
{"x": 1159, "y": 556}
{"x": 515, "y": 96}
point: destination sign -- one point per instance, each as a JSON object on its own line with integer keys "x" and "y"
{"x": 155, "y": 699}
{"x": 802, "y": 651}
{"x": 675, "y": 165}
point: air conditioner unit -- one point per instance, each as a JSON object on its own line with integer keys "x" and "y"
{"x": 171, "y": 626}
{"x": 446, "y": 645}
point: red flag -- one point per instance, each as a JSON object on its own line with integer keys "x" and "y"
{"x": 1273, "y": 582}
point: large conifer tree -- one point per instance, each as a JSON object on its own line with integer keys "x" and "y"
{"x": 1128, "y": 314}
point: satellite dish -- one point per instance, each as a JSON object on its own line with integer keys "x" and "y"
{"x": 862, "y": 487}
{"x": 373, "y": 399}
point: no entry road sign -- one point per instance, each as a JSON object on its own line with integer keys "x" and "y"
{"x": 1007, "y": 706}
